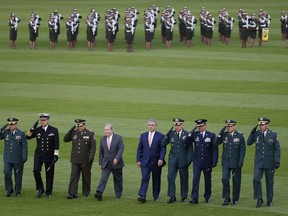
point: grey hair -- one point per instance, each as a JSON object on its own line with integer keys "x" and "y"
{"x": 152, "y": 120}
{"x": 109, "y": 125}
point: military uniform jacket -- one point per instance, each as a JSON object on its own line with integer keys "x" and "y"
{"x": 267, "y": 151}
{"x": 179, "y": 147}
{"x": 83, "y": 146}
{"x": 205, "y": 151}
{"x": 116, "y": 151}
{"x": 46, "y": 142}
{"x": 15, "y": 148}
{"x": 234, "y": 149}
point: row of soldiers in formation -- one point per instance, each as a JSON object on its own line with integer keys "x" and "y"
{"x": 198, "y": 146}
{"x": 248, "y": 26}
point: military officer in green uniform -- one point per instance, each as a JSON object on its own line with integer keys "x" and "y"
{"x": 234, "y": 149}
{"x": 82, "y": 156}
{"x": 267, "y": 159}
{"x": 15, "y": 155}
{"x": 180, "y": 157}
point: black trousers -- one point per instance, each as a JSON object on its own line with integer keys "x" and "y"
{"x": 49, "y": 175}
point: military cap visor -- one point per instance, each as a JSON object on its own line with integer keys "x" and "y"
{"x": 200, "y": 122}
{"x": 177, "y": 121}
{"x": 230, "y": 122}
{"x": 44, "y": 116}
{"x": 263, "y": 121}
{"x": 12, "y": 121}
{"x": 80, "y": 122}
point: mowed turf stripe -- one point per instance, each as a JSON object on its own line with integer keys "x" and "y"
{"x": 224, "y": 86}
{"x": 82, "y": 93}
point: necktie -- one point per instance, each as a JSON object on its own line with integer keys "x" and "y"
{"x": 178, "y": 134}
{"x": 150, "y": 139}
{"x": 12, "y": 133}
{"x": 263, "y": 135}
{"x": 108, "y": 143}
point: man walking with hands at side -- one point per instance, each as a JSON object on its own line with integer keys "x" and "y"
{"x": 111, "y": 161}
{"x": 150, "y": 158}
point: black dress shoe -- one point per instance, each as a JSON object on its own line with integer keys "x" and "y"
{"x": 226, "y": 201}
{"x": 141, "y": 199}
{"x": 193, "y": 201}
{"x": 269, "y": 204}
{"x": 72, "y": 196}
{"x": 98, "y": 196}
{"x": 183, "y": 200}
{"x": 259, "y": 203}
{"x": 207, "y": 201}
{"x": 48, "y": 195}
{"x": 172, "y": 200}
{"x": 39, "y": 193}
{"x": 17, "y": 194}
{"x": 234, "y": 202}
{"x": 8, "y": 194}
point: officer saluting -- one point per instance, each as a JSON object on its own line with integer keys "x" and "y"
{"x": 82, "y": 156}
{"x": 233, "y": 154}
{"x": 205, "y": 157}
{"x": 180, "y": 157}
{"x": 15, "y": 155}
{"x": 267, "y": 159}
{"x": 47, "y": 151}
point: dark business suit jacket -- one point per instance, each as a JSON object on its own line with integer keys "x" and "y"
{"x": 116, "y": 151}
{"x": 147, "y": 155}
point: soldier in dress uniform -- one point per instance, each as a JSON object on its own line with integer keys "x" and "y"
{"x": 180, "y": 157}
{"x": 46, "y": 152}
{"x": 205, "y": 157}
{"x": 13, "y": 23}
{"x": 82, "y": 156}
{"x": 233, "y": 154}
{"x": 15, "y": 155}
{"x": 267, "y": 159}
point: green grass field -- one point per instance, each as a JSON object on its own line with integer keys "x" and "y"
{"x": 125, "y": 89}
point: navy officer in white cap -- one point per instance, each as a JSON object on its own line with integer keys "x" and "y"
{"x": 267, "y": 159}
{"x": 46, "y": 152}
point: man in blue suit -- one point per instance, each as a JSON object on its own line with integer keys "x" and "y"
{"x": 150, "y": 158}
{"x": 205, "y": 157}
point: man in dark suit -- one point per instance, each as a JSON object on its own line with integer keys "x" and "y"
{"x": 267, "y": 159}
{"x": 82, "y": 156}
{"x": 15, "y": 155}
{"x": 110, "y": 160}
{"x": 150, "y": 158}
{"x": 234, "y": 149}
{"x": 180, "y": 157}
{"x": 205, "y": 157}
{"x": 46, "y": 152}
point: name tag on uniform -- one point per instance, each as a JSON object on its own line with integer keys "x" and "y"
{"x": 85, "y": 137}
{"x": 235, "y": 140}
{"x": 18, "y": 137}
{"x": 51, "y": 134}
